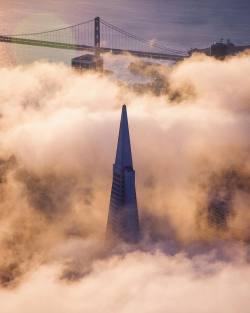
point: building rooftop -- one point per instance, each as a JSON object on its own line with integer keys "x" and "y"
{"x": 86, "y": 57}
{"x": 88, "y": 61}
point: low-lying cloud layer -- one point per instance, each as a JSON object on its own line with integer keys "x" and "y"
{"x": 138, "y": 282}
{"x": 190, "y": 138}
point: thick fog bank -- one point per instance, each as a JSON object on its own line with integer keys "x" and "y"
{"x": 190, "y": 140}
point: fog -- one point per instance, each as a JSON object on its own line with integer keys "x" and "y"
{"x": 190, "y": 142}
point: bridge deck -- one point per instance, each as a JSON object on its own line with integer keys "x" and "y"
{"x": 58, "y": 45}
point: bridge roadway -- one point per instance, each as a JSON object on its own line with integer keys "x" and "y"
{"x": 58, "y": 45}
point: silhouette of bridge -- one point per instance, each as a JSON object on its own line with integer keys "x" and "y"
{"x": 97, "y": 36}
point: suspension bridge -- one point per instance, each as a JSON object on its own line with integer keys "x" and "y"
{"x": 97, "y": 36}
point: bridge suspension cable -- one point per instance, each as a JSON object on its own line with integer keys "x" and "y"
{"x": 50, "y": 31}
{"x": 147, "y": 43}
{"x": 95, "y": 34}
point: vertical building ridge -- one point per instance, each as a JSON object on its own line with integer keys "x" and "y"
{"x": 123, "y": 220}
{"x": 123, "y": 152}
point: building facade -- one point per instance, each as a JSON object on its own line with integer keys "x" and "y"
{"x": 123, "y": 220}
{"x": 88, "y": 62}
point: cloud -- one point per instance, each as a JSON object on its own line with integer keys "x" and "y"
{"x": 189, "y": 129}
{"x": 141, "y": 282}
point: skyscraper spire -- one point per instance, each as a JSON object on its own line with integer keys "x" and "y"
{"x": 123, "y": 221}
{"x": 123, "y": 152}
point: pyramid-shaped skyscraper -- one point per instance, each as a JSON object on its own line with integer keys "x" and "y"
{"x": 123, "y": 220}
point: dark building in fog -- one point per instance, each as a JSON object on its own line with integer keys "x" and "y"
{"x": 221, "y": 49}
{"x": 221, "y": 195}
{"x": 123, "y": 220}
{"x": 88, "y": 62}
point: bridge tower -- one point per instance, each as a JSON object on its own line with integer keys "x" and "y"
{"x": 97, "y": 42}
{"x": 91, "y": 61}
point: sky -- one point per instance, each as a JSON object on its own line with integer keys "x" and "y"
{"x": 176, "y": 24}
{"x": 188, "y": 23}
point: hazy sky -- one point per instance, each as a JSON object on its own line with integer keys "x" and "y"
{"x": 183, "y": 23}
